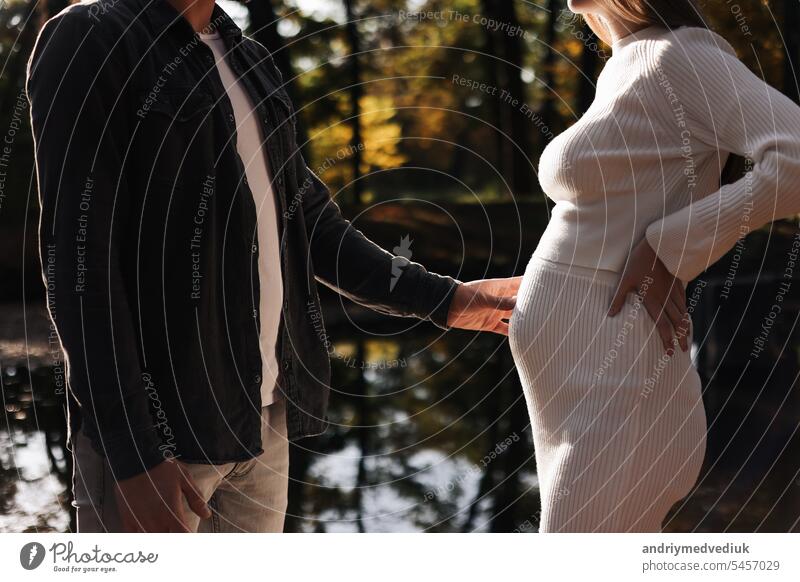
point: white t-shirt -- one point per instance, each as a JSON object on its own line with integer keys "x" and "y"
{"x": 249, "y": 145}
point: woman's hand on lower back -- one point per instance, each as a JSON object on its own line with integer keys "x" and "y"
{"x": 484, "y": 305}
{"x": 663, "y": 295}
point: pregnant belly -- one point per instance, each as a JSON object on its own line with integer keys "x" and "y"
{"x": 562, "y": 340}
{"x": 586, "y": 376}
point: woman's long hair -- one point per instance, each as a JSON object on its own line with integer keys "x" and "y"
{"x": 667, "y": 13}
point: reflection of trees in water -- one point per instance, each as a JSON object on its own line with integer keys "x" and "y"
{"x": 33, "y": 411}
{"x": 423, "y": 432}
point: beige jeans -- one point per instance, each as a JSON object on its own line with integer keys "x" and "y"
{"x": 244, "y": 497}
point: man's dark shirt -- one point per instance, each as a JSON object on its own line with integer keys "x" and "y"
{"x": 149, "y": 244}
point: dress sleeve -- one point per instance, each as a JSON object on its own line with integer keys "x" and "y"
{"x": 731, "y": 110}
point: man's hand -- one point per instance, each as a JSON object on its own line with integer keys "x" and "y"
{"x": 153, "y": 501}
{"x": 663, "y": 295}
{"x": 484, "y": 305}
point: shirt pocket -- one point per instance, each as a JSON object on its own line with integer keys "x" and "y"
{"x": 176, "y": 131}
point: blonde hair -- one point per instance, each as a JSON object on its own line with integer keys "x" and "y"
{"x": 643, "y": 13}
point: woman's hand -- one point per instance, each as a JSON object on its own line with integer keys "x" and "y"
{"x": 663, "y": 295}
{"x": 484, "y": 305}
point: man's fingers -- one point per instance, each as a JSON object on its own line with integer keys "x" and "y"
{"x": 501, "y": 327}
{"x": 176, "y": 517}
{"x": 193, "y": 498}
{"x": 502, "y": 287}
{"x": 504, "y": 304}
{"x": 513, "y": 286}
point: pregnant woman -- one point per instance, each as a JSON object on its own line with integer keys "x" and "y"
{"x": 601, "y": 331}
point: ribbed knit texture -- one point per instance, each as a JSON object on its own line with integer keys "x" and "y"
{"x": 618, "y": 426}
{"x": 646, "y": 157}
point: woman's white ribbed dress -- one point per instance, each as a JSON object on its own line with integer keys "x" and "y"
{"x": 618, "y": 425}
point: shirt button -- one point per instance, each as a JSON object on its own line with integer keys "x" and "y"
{"x": 286, "y": 304}
{"x": 287, "y": 365}
{"x": 257, "y": 379}
{"x": 255, "y": 314}
{"x": 254, "y": 249}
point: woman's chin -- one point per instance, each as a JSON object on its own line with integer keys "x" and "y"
{"x": 581, "y": 6}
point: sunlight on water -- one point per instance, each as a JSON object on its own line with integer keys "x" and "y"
{"x": 31, "y": 498}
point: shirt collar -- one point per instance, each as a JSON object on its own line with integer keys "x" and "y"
{"x": 163, "y": 16}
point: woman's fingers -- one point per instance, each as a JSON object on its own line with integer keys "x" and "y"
{"x": 669, "y": 313}
{"x": 677, "y": 321}
{"x": 678, "y": 294}
{"x": 618, "y": 301}
{"x": 683, "y": 328}
{"x": 678, "y": 313}
{"x": 657, "y": 312}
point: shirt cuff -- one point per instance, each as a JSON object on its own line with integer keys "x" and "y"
{"x": 435, "y": 298}
{"x": 131, "y": 452}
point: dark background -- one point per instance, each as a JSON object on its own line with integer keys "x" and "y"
{"x": 430, "y": 430}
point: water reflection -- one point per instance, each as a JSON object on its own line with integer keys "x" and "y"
{"x": 34, "y": 464}
{"x": 438, "y": 445}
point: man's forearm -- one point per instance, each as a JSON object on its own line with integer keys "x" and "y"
{"x": 356, "y": 267}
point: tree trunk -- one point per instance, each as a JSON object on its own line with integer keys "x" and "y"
{"x": 503, "y": 159}
{"x": 364, "y": 417}
{"x": 356, "y": 92}
{"x": 548, "y": 110}
{"x": 505, "y": 43}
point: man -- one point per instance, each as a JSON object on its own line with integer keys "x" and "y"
{"x": 181, "y": 237}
